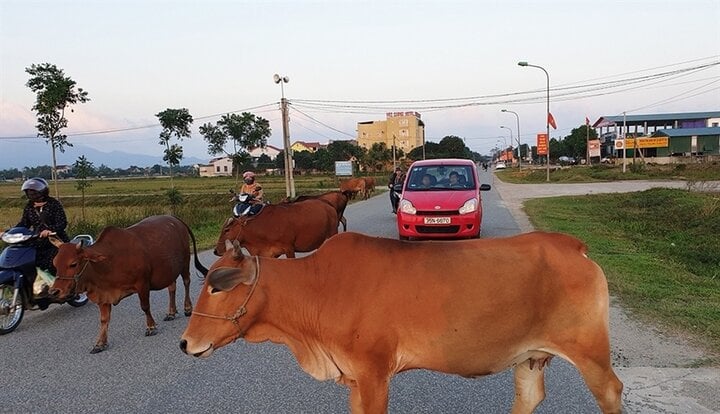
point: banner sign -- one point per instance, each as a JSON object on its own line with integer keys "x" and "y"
{"x": 594, "y": 147}
{"x": 343, "y": 168}
{"x": 542, "y": 144}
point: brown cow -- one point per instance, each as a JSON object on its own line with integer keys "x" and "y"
{"x": 337, "y": 199}
{"x": 146, "y": 256}
{"x": 283, "y": 228}
{"x": 470, "y": 308}
{"x": 353, "y": 185}
{"x": 369, "y": 187}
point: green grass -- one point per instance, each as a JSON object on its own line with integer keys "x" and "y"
{"x": 577, "y": 174}
{"x": 659, "y": 248}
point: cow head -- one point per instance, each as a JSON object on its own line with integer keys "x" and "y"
{"x": 231, "y": 230}
{"x": 228, "y": 305}
{"x": 71, "y": 261}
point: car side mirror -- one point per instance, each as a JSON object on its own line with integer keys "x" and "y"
{"x": 485, "y": 187}
{"x": 397, "y": 188}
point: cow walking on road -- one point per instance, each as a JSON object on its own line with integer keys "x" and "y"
{"x": 488, "y": 305}
{"x": 146, "y": 256}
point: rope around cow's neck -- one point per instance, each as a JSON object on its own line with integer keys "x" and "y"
{"x": 77, "y": 275}
{"x": 242, "y": 310}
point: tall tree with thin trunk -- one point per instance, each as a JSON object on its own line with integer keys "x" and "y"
{"x": 82, "y": 168}
{"x": 54, "y": 93}
{"x": 174, "y": 122}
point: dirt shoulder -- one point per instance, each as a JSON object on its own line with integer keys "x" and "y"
{"x": 659, "y": 367}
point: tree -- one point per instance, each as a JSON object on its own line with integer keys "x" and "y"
{"x": 378, "y": 156}
{"x": 344, "y": 151}
{"x": 174, "y": 122}
{"x": 83, "y": 169}
{"x": 54, "y": 92}
{"x": 244, "y": 131}
{"x": 264, "y": 161}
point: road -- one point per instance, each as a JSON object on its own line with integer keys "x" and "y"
{"x": 47, "y": 366}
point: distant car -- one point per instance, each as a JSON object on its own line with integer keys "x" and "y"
{"x": 607, "y": 160}
{"x": 500, "y": 166}
{"x": 440, "y": 200}
{"x": 567, "y": 160}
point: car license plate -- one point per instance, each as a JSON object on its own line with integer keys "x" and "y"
{"x": 437, "y": 220}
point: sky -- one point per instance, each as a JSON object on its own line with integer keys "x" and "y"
{"x": 137, "y": 58}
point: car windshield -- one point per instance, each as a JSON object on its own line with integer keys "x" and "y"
{"x": 440, "y": 177}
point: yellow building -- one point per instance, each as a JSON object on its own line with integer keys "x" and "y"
{"x": 406, "y": 129}
{"x": 299, "y": 146}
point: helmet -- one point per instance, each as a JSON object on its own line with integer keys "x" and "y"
{"x": 36, "y": 183}
{"x": 248, "y": 174}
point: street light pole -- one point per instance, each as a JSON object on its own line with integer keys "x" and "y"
{"x": 518, "y": 137}
{"x": 547, "y": 114}
{"x": 289, "y": 180}
{"x": 511, "y": 142}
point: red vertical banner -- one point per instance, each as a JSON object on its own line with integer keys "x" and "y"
{"x": 542, "y": 144}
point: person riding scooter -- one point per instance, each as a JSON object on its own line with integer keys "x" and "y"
{"x": 44, "y": 215}
{"x": 250, "y": 186}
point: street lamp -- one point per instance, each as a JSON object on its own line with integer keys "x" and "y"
{"x": 511, "y": 141}
{"x": 547, "y": 115}
{"x": 518, "y": 137}
{"x": 289, "y": 180}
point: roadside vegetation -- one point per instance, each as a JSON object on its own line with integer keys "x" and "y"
{"x": 203, "y": 203}
{"x": 659, "y": 249}
{"x": 603, "y": 172}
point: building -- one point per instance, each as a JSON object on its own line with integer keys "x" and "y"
{"x": 660, "y": 136}
{"x": 299, "y": 146}
{"x": 268, "y": 150}
{"x": 405, "y": 130}
{"x": 217, "y": 167}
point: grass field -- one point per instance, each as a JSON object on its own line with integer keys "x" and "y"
{"x": 122, "y": 202}
{"x": 576, "y": 174}
{"x": 659, "y": 248}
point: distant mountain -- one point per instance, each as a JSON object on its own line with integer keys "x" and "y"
{"x": 32, "y": 153}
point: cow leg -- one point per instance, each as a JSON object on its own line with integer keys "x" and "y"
{"x": 368, "y": 394}
{"x": 187, "y": 307}
{"x": 172, "y": 308}
{"x": 144, "y": 295}
{"x": 101, "y": 343}
{"x": 343, "y": 220}
{"x": 602, "y": 382}
{"x": 529, "y": 386}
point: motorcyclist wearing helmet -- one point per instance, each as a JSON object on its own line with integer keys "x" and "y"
{"x": 44, "y": 215}
{"x": 250, "y": 186}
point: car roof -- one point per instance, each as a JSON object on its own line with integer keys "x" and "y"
{"x": 442, "y": 161}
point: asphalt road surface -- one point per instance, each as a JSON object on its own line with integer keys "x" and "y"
{"x": 46, "y": 365}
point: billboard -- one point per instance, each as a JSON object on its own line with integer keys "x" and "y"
{"x": 343, "y": 168}
{"x": 542, "y": 144}
{"x": 594, "y": 148}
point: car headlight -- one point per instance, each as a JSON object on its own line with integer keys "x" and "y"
{"x": 407, "y": 207}
{"x": 469, "y": 206}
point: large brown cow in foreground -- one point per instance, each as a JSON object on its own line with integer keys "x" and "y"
{"x": 470, "y": 308}
{"x": 146, "y": 256}
{"x": 283, "y": 228}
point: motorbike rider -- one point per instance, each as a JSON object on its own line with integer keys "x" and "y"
{"x": 396, "y": 178}
{"x": 252, "y": 187}
{"x": 44, "y": 215}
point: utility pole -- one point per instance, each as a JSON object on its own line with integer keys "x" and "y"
{"x": 624, "y": 136}
{"x": 287, "y": 152}
{"x": 394, "y": 163}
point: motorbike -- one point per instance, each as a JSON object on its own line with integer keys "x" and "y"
{"x": 17, "y": 268}
{"x": 395, "y": 194}
{"x": 245, "y": 204}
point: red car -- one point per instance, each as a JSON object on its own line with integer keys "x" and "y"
{"x": 440, "y": 199}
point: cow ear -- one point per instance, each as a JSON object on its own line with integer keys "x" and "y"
{"x": 55, "y": 241}
{"x": 227, "y": 278}
{"x": 90, "y": 255}
{"x": 237, "y": 250}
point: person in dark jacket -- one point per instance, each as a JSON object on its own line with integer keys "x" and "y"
{"x": 396, "y": 178}
{"x": 44, "y": 215}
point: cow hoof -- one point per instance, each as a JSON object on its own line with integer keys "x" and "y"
{"x": 98, "y": 348}
{"x": 150, "y": 331}
{"x": 169, "y": 317}
{"x": 188, "y": 312}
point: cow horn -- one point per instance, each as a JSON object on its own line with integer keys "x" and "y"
{"x": 237, "y": 249}
{"x": 55, "y": 241}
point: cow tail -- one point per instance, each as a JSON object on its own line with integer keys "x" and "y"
{"x": 199, "y": 266}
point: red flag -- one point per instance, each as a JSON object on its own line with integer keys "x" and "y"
{"x": 587, "y": 121}
{"x": 551, "y": 121}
